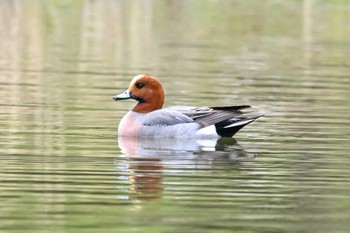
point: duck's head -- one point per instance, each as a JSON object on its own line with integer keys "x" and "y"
{"x": 145, "y": 89}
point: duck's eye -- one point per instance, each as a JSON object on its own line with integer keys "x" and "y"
{"x": 140, "y": 85}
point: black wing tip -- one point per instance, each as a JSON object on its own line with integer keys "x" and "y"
{"x": 231, "y": 108}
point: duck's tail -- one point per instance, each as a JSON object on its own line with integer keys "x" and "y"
{"x": 228, "y": 120}
{"x": 230, "y": 127}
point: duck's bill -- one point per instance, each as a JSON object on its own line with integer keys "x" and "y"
{"x": 122, "y": 96}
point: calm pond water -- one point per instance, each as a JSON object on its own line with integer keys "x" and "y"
{"x": 63, "y": 169}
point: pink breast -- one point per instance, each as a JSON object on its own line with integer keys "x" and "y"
{"x": 129, "y": 126}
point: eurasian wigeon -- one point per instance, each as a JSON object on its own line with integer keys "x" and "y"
{"x": 149, "y": 119}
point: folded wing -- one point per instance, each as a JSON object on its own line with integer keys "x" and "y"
{"x": 228, "y": 120}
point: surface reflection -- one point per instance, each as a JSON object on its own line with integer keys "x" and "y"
{"x": 148, "y": 161}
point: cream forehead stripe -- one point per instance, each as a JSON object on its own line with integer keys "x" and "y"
{"x": 137, "y": 77}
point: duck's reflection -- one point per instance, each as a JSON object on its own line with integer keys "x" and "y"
{"x": 146, "y": 177}
{"x": 145, "y": 158}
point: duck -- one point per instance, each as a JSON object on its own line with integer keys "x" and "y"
{"x": 148, "y": 118}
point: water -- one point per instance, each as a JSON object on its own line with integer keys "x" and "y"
{"x": 63, "y": 169}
